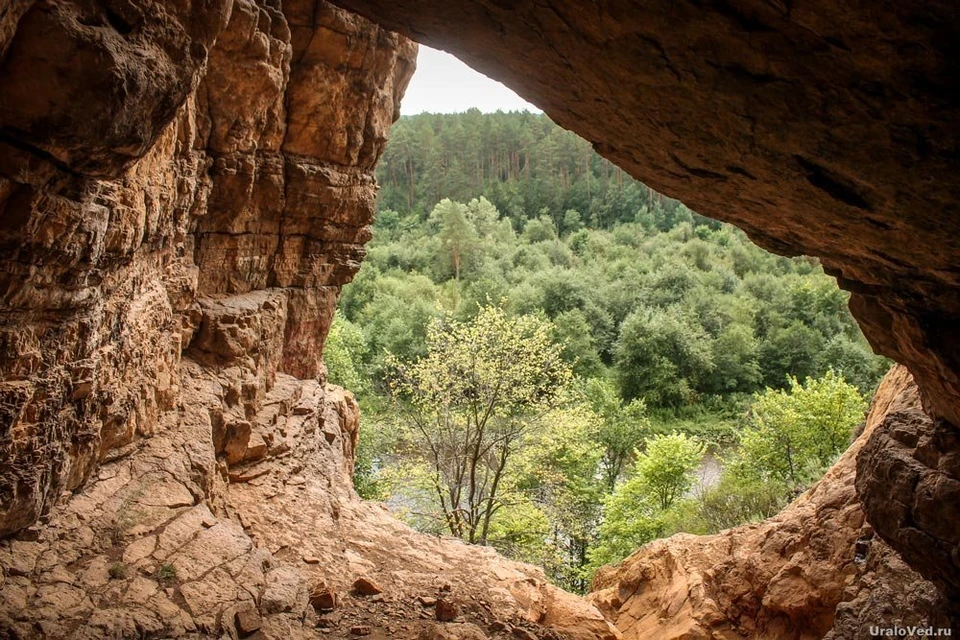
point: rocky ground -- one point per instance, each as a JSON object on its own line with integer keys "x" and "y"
{"x": 284, "y": 548}
{"x": 238, "y": 517}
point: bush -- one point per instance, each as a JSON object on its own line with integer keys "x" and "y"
{"x": 166, "y": 573}
{"x": 791, "y": 436}
{"x": 637, "y": 511}
{"x": 735, "y": 500}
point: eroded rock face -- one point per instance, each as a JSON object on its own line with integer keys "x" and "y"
{"x": 815, "y": 570}
{"x": 908, "y": 481}
{"x": 159, "y": 180}
{"x": 184, "y": 188}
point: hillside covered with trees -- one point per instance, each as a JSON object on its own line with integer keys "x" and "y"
{"x": 546, "y": 351}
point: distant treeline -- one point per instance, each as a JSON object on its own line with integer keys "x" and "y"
{"x": 523, "y": 163}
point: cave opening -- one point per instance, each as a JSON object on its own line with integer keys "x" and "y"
{"x": 186, "y": 187}
{"x": 708, "y": 382}
{"x": 799, "y": 112}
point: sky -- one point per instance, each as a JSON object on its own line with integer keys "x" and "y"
{"x": 443, "y": 84}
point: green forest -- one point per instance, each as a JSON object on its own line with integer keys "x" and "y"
{"x": 553, "y": 359}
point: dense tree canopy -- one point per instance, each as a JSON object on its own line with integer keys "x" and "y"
{"x": 506, "y": 251}
{"x": 523, "y": 163}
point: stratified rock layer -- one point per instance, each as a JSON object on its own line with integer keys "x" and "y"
{"x": 141, "y": 179}
{"x": 814, "y": 571}
{"x": 184, "y": 188}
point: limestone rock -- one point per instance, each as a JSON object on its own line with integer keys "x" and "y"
{"x": 247, "y": 621}
{"x": 323, "y": 597}
{"x": 366, "y": 587}
{"x": 454, "y": 631}
{"x": 164, "y": 192}
{"x": 908, "y": 479}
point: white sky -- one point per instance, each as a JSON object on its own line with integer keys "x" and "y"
{"x": 443, "y": 84}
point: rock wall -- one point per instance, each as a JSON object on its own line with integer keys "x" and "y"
{"x": 184, "y": 188}
{"x": 158, "y": 160}
{"x": 908, "y": 481}
{"x": 814, "y": 571}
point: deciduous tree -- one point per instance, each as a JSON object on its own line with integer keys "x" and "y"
{"x": 469, "y": 402}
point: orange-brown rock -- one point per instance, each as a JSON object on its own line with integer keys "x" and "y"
{"x": 786, "y": 577}
{"x": 189, "y": 178}
{"x": 184, "y": 188}
{"x": 908, "y": 479}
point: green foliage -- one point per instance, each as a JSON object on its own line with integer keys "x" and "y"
{"x": 556, "y": 471}
{"x": 853, "y": 359}
{"x": 680, "y": 314}
{"x": 468, "y": 403}
{"x": 790, "y": 351}
{"x": 736, "y": 362}
{"x": 623, "y": 428}
{"x": 166, "y": 573}
{"x": 117, "y": 571}
{"x": 572, "y": 331}
{"x": 344, "y": 354}
{"x": 791, "y": 435}
{"x": 670, "y": 321}
{"x": 635, "y": 512}
{"x": 396, "y": 314}
{"x": 374, "y": 447}
{"x": 665, "y": 468}
{"x": 458, "y": 237}
{"x": 737, "y": 498}
{"x": 662, "y": 356}
{"x": 522, "y": 531}
{"x": 526, "y": 165}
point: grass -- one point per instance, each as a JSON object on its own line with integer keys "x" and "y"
{"x": 117, "y": 571}
{"x": 166, "y": 573}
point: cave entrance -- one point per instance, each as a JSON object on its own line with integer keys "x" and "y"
{"x": 819, "y": 131}
{"x": 699, "y": 381}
